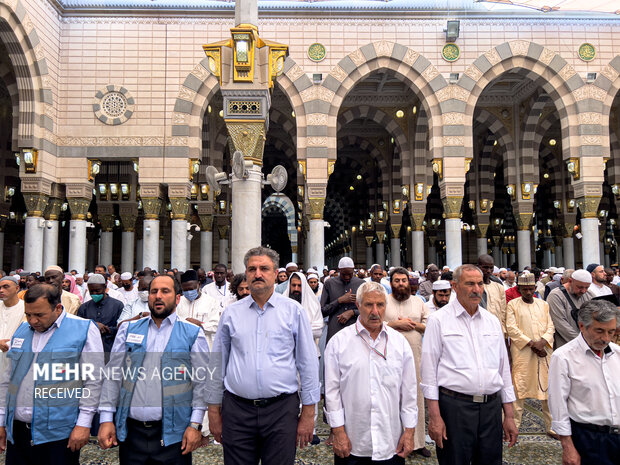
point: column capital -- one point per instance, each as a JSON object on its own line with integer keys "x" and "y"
{"x": 36, "y": 203}
{"x": 54, "y": 206}
{"x": 316, "y": 208}
{"x": 523, "y": 213}
{"x": 128, "y": 213}
{"x": 180, "y": 208}
{"x": 395, "y": 230}
{"x": 452, "y": 207}
{"x": 589, "y": 206}
{"x": 481, "y": 230}
{"x": 249, "y": 138}
{"x": 3, "y": 221}
{"x": 79, "y": 207}
{"x": 151, "y": 207}
{"x": 369, "y": 240}
{"x": 417, "y": 221}
{"x": 107, "y": 222}
{"x": 206, "y": 222}
{"x": 222, "y": 230}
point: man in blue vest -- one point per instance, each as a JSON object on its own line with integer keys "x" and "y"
{"x": 155, "y": 384}
{"x": 47, "y": 403}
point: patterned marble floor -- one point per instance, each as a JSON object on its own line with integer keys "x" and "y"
{"x": 533, "y": 448}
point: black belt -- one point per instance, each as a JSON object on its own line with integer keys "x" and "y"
{"x": 480, "y": 399}
{"x": 597, "y": 428}
{"x": 261, "y": 402}
{"x": 22, "y": 424}
{"x": 144, "y": 424}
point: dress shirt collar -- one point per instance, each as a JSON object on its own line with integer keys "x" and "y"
{"x": 55, "y": 324}
{"x": 170, "y": 319}
{"x": 362, "y": 330}
{"x": 270, "y": 302}
{"x": 608, "y": 351}
{"x": 460, "y": 310}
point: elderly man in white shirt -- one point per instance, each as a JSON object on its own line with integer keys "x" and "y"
{"x": 466, "y": 377}
{"x": 370, "y": 387}
{"x": 584, "y": 389}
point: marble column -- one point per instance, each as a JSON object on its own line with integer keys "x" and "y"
{"x": 178, "y": 238}
{"x": 223, "y": 246}
{"x": 369, "y": 240}
{"x": 482, "y": 244}
{"x": 568, "y": 250}
{"x": 454, "y": 246}
{"x": 150, "y": 232}
{"x": 524, "y": 248}
{"x": 139, "y": 254}
{"x": 206, "y": 250}
{"x": 316, "y": 234}
{"x": 417, "y": 236}
{"x": 246, "y": 215}
{"x": 395, "y": 245}
{"x": 559, "y": 256}
{"x": 162, "y": 251}
{"x": 128, "y": 215}
{"x": 106, "y": 244}
{"x": 50, "y": 232}
{"x": 589, "y": 241}
{"x": 547, "y": 257}
{"x": 188, "y": 261}
{"x": 380, "y": 249}
{"x": 16, "y": 255}
{"x": 77, "y": 233}
{"x": 36, "y": 204}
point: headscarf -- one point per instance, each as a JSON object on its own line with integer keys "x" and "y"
{"x": 74, "y": 287}
{"x": 309, "y": 302}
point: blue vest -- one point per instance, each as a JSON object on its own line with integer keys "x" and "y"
{"x": 53, "y": 419}
{"x": 177, "y": 393}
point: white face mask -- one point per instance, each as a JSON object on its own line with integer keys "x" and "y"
{"x": 144, "y": 296}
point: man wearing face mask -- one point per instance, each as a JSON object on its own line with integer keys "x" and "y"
{"x": 102, "y": 309}
{"x": 139, "y": 308}
{"x": 127, "y": 289}
{"x": 198, "y": 307}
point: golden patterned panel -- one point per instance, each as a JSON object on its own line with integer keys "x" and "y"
{"x": 317, "y": 52}
{"x": 587, "y": 52}
{"x": 450, "y": 52}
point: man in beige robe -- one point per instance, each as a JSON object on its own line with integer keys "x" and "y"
{"x": 407, "y": 314}
{"x": 530, "y": 328}
{"x": 494, "y": 297}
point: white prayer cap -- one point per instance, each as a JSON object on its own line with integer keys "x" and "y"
{"x": 561, "y": 270}
{"x": 311, "y": 270}
{"x": 126, "y": 276}
{"x": 582, "y": 276}
{"x": 96, "y": 279}
{"x": 53, "y": 268}
{"x": 553, "y": 270}
{"x": 280, "y": 270}
{"x": 291, "y": 265}
{"x": 325, "y": 267}
{"x": 441, "y": 284}
{"x": 345, "y": 262}
{"x": 415, "y": 274}
{"x": 313, "y": 274}
{"x": 502, "y": 269}
{"x": 392, "y": 269}
{"x": 79, "y": 275}
{"x": 12, "y": 278}
{"x": 495, "y": 269}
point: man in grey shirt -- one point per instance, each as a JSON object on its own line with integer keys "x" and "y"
{"x": 426, "y": 288}
{"x": 560, "y": 307}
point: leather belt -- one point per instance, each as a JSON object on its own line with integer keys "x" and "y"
{"x": 478, "y": 399}
{"x": 597, "y": 428}
{"x": 144, "y": 424}
{"x": 261, "y": 402}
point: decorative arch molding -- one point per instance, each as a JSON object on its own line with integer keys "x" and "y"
{"x": 374, "y": 153}
{"x": 422, "y": 159}
{"x": 576, "y": 101}
{"x": 334, "y": 210}
{"x": 35, "y": 118}
{"x": 326, "y": 99}
{"x": 282, "y": 203}
{"x": 608, "y": 81}
{"x": 7, "y": 76}
{"x": 550, "y": 160}
{"x": 505, "y": 140}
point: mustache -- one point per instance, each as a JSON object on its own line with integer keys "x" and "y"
{"x": 258, "y": 280}
{"x": 374, "y": 317}
{"x": 475, "y": 294}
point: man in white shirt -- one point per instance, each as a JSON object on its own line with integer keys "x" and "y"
{"x": 599, "y": 286}
{"x": 466, "y": 377}
{"x": 370, "y": 387}
{"x": 198, "y": 307}
{"x": 218, "y": 289}
{"x": 584, "y": 389}
{"x": 11, "y": 313}
{"x": 139, "y": 308}
{"x": 441, "y": 295}
{"x": 128, "y": 290}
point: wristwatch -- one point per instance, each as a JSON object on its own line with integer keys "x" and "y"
{"x": 196, "y": 426}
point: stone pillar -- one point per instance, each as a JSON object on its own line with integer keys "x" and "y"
{"x": 246, "y": 215}
{"x": 317, "y": 233}
{"x": 188, "y": 260}
{"x": 395, "y": 245}
{"x": 380, "y": 248}
{"x": 36, "y": 203}
{"x": 3, "y": 220}
{"x": 452, "y": 209}
{"x": 128, "y": 214}
{"x": 432, "y": 250}
{"x": 417, "y": 239}
{"x": 205, "y": 214}
{"x": 50, "y": 233}
{"x": 482, "y": 244}
{"x": 223, "y": 246}
{"x": 559, "y": 253}
{"x": 162, "y": 251}
{"x": 589, "y": 229}
{"x": 106, "y": 247}
{"x": 369, "y": 261}
{"x": 150, "y": 241}
{"x": 77, "y": 232}
{"x": 139, "y": 254}
{"x": 16, "y": 254}
{"x": 523, "y": 214}
{"x": 178, "y": 239}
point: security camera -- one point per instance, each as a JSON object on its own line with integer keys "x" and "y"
{"x": 578, "y": 235}
{"x": 90, "y": 225}
{"x": 48, "y": 224}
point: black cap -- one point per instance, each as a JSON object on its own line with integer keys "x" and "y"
{"x": 189, "y": 275}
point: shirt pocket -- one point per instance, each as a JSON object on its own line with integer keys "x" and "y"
{"x": 279, "y": 344}
{"x": 457, "y": 349}
{"x": 491, "y": 354}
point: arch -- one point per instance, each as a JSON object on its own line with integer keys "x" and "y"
{"x": 570, "y": 95}
{"x": 607, "y": 86}
{"x": 7, "y": 76}
{"x": 366, "y": 145}
{"x": 25, "y": 50}
{"x": 543, "y": 127}
{"x": 326, "y": 99}
{"x": 334, "y": 210}
{"x": 282, "y": 203}
{"x": 555, "y": 172}
{"x": 503, "y": 137}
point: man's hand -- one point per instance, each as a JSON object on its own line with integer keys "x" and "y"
{"x": 403, "y": 324}
{"x": 103, "y": 328}
{"x": 191, "y": 440}
{"x": 510, "y": 430}
{"x": 4, "y": 345}
{"x": 2, "y": 439}
{"x": 570, "y": 456}
{"x": 342, "y": 444}
{"x": 215, "y": 422}
{"x": 405, "y": 443}
{"x": 347, "y": 298}
{"x": 538, "y": 348}
{"x": 194, "y": 321}
{"x": 345, "y": 316}
{"x": 437, "y": 430}
{"x": 107, "y": 435}
{"x": 78, "y": 438}
{"x": 305, "y": 426}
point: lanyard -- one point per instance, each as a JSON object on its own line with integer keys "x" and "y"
{"x": 382, "y": 355}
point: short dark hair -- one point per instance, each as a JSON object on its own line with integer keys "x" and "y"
{"x": 220, "y": 265}
{"x": 178, "y": 290}
{"x": 236, "y": 281}
{"x": 47, "y": 291}
{"x": 398, "y": 270}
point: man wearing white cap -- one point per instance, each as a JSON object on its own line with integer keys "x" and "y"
{"x": 290, "y": 269}
{"x": 54, "y": 276}
{"x": 11, "y": 313}
{"x": 338, "y": 298}
{"x": 315, "y": 284}
{"x": 128, "y": 290}
{"x": 566, "y": 301}
{"x": 530, "y": 329}
{"x": 442, "y": 291}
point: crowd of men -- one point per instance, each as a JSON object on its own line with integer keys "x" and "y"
{"x": 168, "y": 360}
